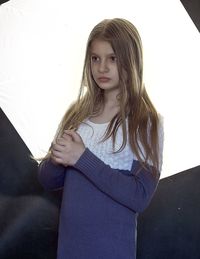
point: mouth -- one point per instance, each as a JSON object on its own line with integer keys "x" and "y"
{"x": 103, "y": 79}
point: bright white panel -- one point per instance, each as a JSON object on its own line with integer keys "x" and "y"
{"x": 42, "y": 44}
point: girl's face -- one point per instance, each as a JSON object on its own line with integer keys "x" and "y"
{"x": 104, "y": 65}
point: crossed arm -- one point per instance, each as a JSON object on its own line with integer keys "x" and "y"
{"x": 125, "y": 187}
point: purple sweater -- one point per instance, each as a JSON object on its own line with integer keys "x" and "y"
{"x": 98, "y": 218}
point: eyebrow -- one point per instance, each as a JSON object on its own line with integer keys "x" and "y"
{"x": 110, "y": 54}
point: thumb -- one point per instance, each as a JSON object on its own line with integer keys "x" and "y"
{"x": 74, "y": 135}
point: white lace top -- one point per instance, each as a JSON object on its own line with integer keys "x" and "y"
{"x": 93, "y": 133}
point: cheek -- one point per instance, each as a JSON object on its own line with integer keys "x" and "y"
{"x": 93, "y": 74}
{"x": 93, "y": 70}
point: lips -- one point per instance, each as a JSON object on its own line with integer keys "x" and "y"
{"x": 103, "y": 79}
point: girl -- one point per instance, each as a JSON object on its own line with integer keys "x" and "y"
{"x": 107, "y": 151}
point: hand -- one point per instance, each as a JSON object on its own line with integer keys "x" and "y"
{"x": 67, "y": 149}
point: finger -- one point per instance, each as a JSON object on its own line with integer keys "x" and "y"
{"x": 56, "y": 160}
{"x": 58, "y": 147}
{"x": 66, "y": 136}
{"x": 61, "y": 141}
{"x": 74, "y": 135}
{"x": 56, "y": 154}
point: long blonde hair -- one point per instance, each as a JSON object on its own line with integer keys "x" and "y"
{"x": 135, "y": 104}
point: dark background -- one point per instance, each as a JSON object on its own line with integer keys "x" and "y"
{"x": 170, "y": 227}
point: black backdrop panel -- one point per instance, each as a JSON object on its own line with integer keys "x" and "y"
{"x": 170, "y": 227}
{"x": 193, "y": 9}
{"x": 3, "y": 1}
{"x": 28, "y": 214}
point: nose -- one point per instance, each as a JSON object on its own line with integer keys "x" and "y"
{"x": 103, "y": 66}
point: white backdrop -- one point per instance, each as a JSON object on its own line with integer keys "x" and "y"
{"x": 42, "y": 47}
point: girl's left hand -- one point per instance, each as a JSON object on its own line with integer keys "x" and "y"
{"x": 68, "y": 149}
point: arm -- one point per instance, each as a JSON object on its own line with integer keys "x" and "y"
{"x": 127, "y": 188}
{"x": 131, "y": 189}
{"x": 51, "y": 176}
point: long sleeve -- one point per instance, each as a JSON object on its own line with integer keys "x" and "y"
{"x": 127, "y": 188}
{"x": 51, "y": 176}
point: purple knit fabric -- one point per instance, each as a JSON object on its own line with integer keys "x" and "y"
{"x": 100, "y": 205}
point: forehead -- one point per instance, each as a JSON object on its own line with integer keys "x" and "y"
{"x": 101, "y": 47}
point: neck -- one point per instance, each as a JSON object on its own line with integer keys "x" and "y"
{"x": 109, "y": 109}
{"x": 110, "y": 99}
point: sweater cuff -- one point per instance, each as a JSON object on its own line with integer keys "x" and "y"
{"x": 52, "y": 165}
{"x": 88, "y": 162}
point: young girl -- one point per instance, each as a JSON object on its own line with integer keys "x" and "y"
{"x": 107, "y": 153}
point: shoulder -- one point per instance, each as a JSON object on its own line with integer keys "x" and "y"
{"x": 158, "y": 122}
{"x": 160, "y": 126}
{"x": 160, "y": 139}
{"x": 160, "y": 119}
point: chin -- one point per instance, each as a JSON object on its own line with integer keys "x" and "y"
{"x": 107, "y": 86}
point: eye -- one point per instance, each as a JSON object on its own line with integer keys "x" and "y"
{"x": 95, "y": 59}
{"x": 113, "y": 58}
